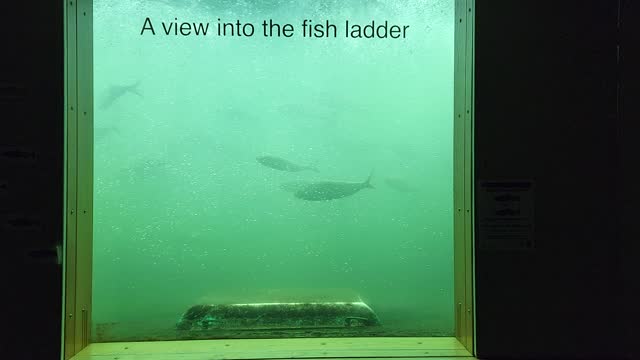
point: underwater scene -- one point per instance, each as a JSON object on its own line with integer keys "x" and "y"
{"x": 257, "y": 180}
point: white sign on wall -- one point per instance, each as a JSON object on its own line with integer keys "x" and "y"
{"x": 505, "y": 214}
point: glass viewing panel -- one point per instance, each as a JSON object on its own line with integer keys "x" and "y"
{"x": 252, "y": 186}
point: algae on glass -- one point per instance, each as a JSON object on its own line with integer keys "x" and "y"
{"x": 252, "y": 169}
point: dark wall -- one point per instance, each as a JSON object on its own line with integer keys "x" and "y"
{"x": 546, "y": 110}
{"x": 628, "y": 183}
{"x": 31, "y": 177}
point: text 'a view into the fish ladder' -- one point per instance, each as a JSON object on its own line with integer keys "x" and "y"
{"x": 306, "y": 28}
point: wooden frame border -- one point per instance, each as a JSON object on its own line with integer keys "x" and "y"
{"x": 78, "y": 245}
{"x": 463, "y": 173}
{"x": 79, "y": 174}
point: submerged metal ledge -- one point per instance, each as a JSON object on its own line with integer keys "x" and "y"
{"x": 253, "y": 349}
{"x": 278, "y": 315}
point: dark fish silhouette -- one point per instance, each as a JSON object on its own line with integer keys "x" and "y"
{"x": 330, "y": 190}
{"x": 281, "y": 164}
{"x": 117, "y": 91}
{"x": 399, "y": 185}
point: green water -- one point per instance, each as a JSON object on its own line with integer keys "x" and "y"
{"x": 184, "y": 214}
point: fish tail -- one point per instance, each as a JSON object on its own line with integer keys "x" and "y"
{"x": 368, "y": 182}
{"x": 313, "y": 167}
{"x": 134, "y": 88}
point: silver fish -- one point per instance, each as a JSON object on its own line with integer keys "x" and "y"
{"x": 117, "y": 91}
{"x": 281, "y": 164}
{"x": 293, "y": 186}
{"x": 330, "y": 190}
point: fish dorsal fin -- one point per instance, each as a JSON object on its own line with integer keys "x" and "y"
{"x": 134, "y": 88}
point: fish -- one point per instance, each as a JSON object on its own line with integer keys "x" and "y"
{"x": 399, "y": 185}
{"x": 293, "y": 186}
{"x": 331, "y": 190}
{"x": 281, "y": 164}
{"x": 117, "y": 91}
